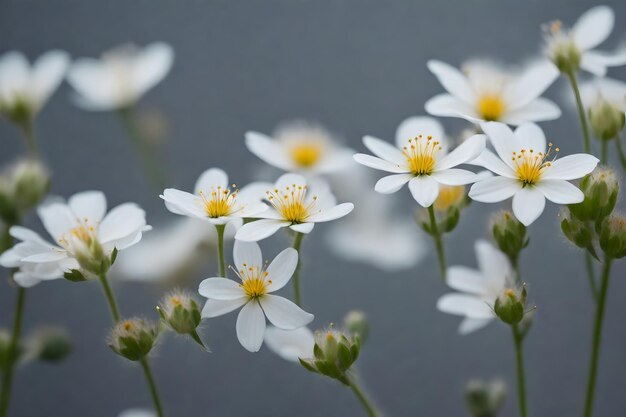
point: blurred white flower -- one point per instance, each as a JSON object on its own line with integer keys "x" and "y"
{"x": 84, "y": 236}
{"x": 485, "y": 92}
{"x": 604, "y": 89}
{"x": 420, "y": 159}
{"x": 572, "y": 49}
{"x": 300, "y": 147}
{"x": 478, "y": 289}
{"x": 253, "y": 293}
{"x": 295, "y": 204}
{"x": 527, "y": 170}
{"x": 290, "y": 344}
{"x": 25, "y": 89}
{"x": 121, "y": 77}
{"x": 137, "y": 412}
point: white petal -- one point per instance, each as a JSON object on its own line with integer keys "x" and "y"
{"x": 419, "y": 125}
{"x": 97, "y": 87}
{"x": 469, "y": 325}
{"x": 528, "y": 204}
{"x": 445, "y": 105}
{"x": 91, "y": 205}
{"x": 332, "y": 213}
{"x": 466, "y": 279}
{"x": 122, "y": 222}
{"x": 464, "y": 305}
{"x": 538, "y": 110}
{"x": 14, "y": 73}
{"x": 380, "y": 164}
{"x": 215, "y": 308}
{"x": 210, "y": 180}
{"x": 290, "y": 344}
{"x": 531, "y": 137}
{"x": 284, "y": 314}
{"x": 532, "y": 83}
{"x": 502, "y": 139}
{"x": 289, "y": 180}
{"x": 593, "y": 27}
{"x": 248, "y": 254}
{"x": 251, "y": 326}
{"x": 151, "y": 65}
{"x": 493, "y": 190}
{"x": 392, "y": 183}
{"x": 305, "y": 228}
{"x": 266, "y": 149}
{"x": 424, "y": 190}
{"x": 281, "y": 269}
{"x": 489, "y": 160}
{"x": 259, "y": 229}
{"x": 466, "y": 151}
{"x": 183, "y": 203}
{"x": 25, "y": 280}
{"x": 384, "y": 150}
{"x": 453, "y": 80}
{"x": 221, "y": 289}
{"x": 594, "y": 62}
{"x": 571, "y": 167}
{"x": 50, "y": 255}
{"x": 494, "y": 267}
{"x": 454, "y": 177}
{"x": 57, "y": 218}
{"x": 48, "y": 72}
{"x": 560, "y": 191}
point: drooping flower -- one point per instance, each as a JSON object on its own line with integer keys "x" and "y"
{"x": 25, "y": 89}
{"x": 477, "y": 289}
{"x": 300, "y": 147}
{"x": 528, "y": 170}
{"x": 484, "y": 92}
{"x": 121, "y": 77}
{"x": 421, "y": 160}
{"x": 254, "y": 294}
{"x": 290, "y": 344}
{"x": 572, "y": 49}
{"x": 84, "y": 238}
{"x": 296, "y": 204}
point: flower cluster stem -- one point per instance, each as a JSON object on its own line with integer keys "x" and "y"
{"x": 115, "y": 313}
{"x": 7, "y": 377}
{"x": 441, "y": 256}
{"x": 620, "y": 151}
{"x": 605, "y": 152}
{"x": 597, "y": 337}
{"x": 220, "y": 228}
{"x": 297, "y": 243}
{"x": 591, "y": 275}
{"x": 518, "y": 340}
{"x": 360, "y": 394}
{"x": 581, "y": 110}
{"x": 28, "y": 131}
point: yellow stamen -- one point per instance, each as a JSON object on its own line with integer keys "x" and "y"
{"x": 530, "y": 165}
{"x": 220, "y": 202}
{"x": 491, "y": 107}
{"x": 254, "y": 280}
{"x": 305, "y": 154}
{"x": 291, "y": 204}
{"x": 420, "y": 154}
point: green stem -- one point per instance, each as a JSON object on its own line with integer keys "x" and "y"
{"x": 115, "y": 313}
{"x": 581, "y": 111}
{"x": 438, "y": 242}
{"x": 591, "y": 275}
{"x": 367, "y": 404}
{"x": 605, "y": 152}
{"x": 597, "y": 336}
{"x": 219, "y": 228}
{"x": 518, "y": 339}
{"x": 620, "y": 151}
{"x": 7, "y": 377}
{"x": 297, "y": 243}
{"x": 154, "y": 392}
{"x": 29, "y": 137}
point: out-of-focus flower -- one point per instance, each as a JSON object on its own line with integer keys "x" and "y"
{"x": 86, "y": 239}
{"x": 295, "y": 204}
{"x": 49, "y": 344}
{"x": 605, "y": 101}
{"x": 527, "y": 170}
{"x": 485, "y": 398}
{"x": 421, "y": 160}
{"x": 137, "y": 412}
{"x": 290, "y": 344}
{"x": 572, "y": 49}
{"x": 22, "y": 186}
{"x": 121, "y": 77}
{"x": 25, "y": 89}
{"x": 478, "y": 289}
{"x": 485, "y": 92}
{"x": 300, "y": 147}
{"x": 254, "y": 294}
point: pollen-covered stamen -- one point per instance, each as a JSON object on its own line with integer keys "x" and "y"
{"x": 291, "y": 203}
{"x": 305, "y": 154}
{"x": 420, "y": 154}
{"x": 530, "y": 165}
{"x": 220, "y": 202}
{"x": 491, "y": 106}
{"x": 254, "y": 280}
{"x": 83, "y": 235}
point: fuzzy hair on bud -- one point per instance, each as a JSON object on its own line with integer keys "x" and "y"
{"x": 132, "y": 338}
{"x": 180, "y": 311}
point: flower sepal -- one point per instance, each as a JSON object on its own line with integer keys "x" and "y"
{"x": 74, "y": 275}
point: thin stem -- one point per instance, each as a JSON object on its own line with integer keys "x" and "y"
{"x": 367, "y": 404}
{"x": 441, "y": 256}
{"x": 620, "y": 151}
{"x": 605, "y": 152}
{"x": 29, "y": 137}
{"x": 7, "y": 377}
{"x": 154, "y": 392}
{"x": 518, "y": 339}
{"x": 219, "y": 228}
{"x": 115, "y": 313}
{"x": 581, "y": 111}
{"x": 591, "y": 274}
{"x": 597, "y": 336}
{"x": 297, "y": 243}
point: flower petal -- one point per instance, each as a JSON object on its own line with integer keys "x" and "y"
{"x": 493, "y": 190}
{"x": 593, "y": 27}
{"x": 281, "y": 269}
{"x": 289, "y": 180}
{"x": 445, "y": 105}
{"x": 502, "y": 139}
{"x": 284, "y": 314}
{"x": 57, "y": 218}
{"x": 380, "y": 164}
{"x": 91, "y": 205}
{"x": 455, "y": 176}
{"x": 221, "y": 289}
{"x": 560, "y": 191}
{"x": 494, "y": 266}
{"x": 290, "y": 344}
{"x": 490, "y": 161}
{"x": 466, "y": 279}
{"x": 384, "y": 150}
{"x": 535, "y": 79}
{"x": 247, "y": 254}
{"x": 464, "y": 305}
{"x": 424, "y": 190}
{"x": 251, "y": 326}
{"x": 211, "y": 179}
{"x": 215, "y": 308}
{"x": 469, "y": 325}
{"x": 123, "y": 221}
{"x": 453, "y": 80}
{"x": 332, "y": 213}
{"x": 48, "y": 72}
{"x": 466, "y": 151}
{"x": 419, "y": 125}
{"x": 266, "y": 149}
{"x": 151, "y": 65}
{"x": 259, "y": 229}
{"x": 528, "y": 204}
{"x": 305, "y": 228}
{"x": 538, "y": 110}
{"x": 571, "y": 167}
{"x": 530, "y": 136}
{"x": 392, "y": 183}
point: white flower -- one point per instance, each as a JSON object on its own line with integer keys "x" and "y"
{"x": 577, "y": 43}
{"x": 300, "y": 147}
{"x": 527, "y": 170}
{"x": 290, "y": 344}
{"x": 26, "y": 88}
{"x": 121, "y": 77}
{"x": 484, "y": 92}
{"x": 295, "y": 204}
{"x": 82, "y": 232}
{"x": 478, "y": 290}
{"x": 603, "y": 89}
{"x": 420, "y": 159}
{"x": 214, "y": 201}
{"x": 137, "y": 412}
{"x": 254, "y": 294}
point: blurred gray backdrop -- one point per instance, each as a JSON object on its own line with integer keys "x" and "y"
{"x": 357, "y": 67}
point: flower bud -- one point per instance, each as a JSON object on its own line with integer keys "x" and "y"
{"x": 18, "y": 110}
{"x": 180, "y": 312}
{"x": 613, "y": 236}
{"x": 509, "y": 234}
{"x": 51, "y": 344}
{"x": 510, "y": 305}
{"x": 606, "y": 120}
{"x": 485, "y": 398}
{"x": 600, "y": 189}
{"x": 132, "y": 338}
{"x": 356, "y": 323}
{"x": 579, "y": 233}
{"x": 562, "y": 49}
{"x": 22, "y": 187}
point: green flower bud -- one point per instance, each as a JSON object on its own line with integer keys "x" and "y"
{"x": 181, "y": 313}
{"x": 509, "y": 234}
{"x": 51, "y": 344}
{"x": 356, "y": 323}
{"x": 19, "y": 111}
{"x": 485, "y": 398}
{"x": 562, "y": 49}
{"x": 606, "y": 120}
{"x": 132, "y": 338}
{"x": 22, "y": 187}
{"x": 613, "y": 236}
{"x": 579, "y": 233}
{"x": 510, "y": 305}
{"x": 600, "y": 189}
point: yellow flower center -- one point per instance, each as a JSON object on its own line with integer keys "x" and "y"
{"x": 220, "y": 202}
{"x": 84, "y": 233}
{"x": 420, "y": 154}
{"x": 290, "y": 202}
{"x": 253, "y": 281}
{"x": 491, "y": 107}
{"x": 306, "y": 154}
{"x": 530, "y": 165}
{"x": 449, "y": 196}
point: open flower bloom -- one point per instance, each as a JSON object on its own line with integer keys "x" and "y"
{"x": 484, "y": 92}
{"x": 477, "y": 289}
{"x": 528, "y": 170}
{"x": 214, "y": 201}
{"x": 302, "y": 148}
{"x": 420, "y": 159}
{"x": 121, "y": 77}
{"x": 295, "y": 204}
{"x": 604, "y": 89}
{"x": 290, "y": 344}
{"x": 25, "y": 89}
{"x": 254, "y": 294}
{"x": 84, "y": 237}
{"x": 574, "y": 47}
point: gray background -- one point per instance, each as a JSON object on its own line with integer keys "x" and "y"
{"x": 358, "y": 67}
